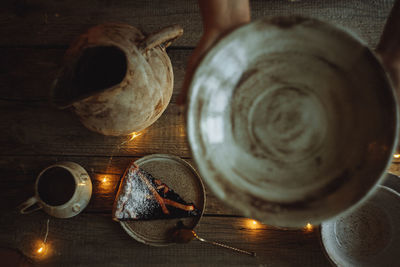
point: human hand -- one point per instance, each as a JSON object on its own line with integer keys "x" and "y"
{"x": 389, "y": 46}
{"x": 219, "y": 18}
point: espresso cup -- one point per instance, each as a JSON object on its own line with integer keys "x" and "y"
{"x": 62, "y": 190}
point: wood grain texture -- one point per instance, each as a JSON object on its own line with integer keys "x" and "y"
{"x": 19, "y": 174}
{"x": 42, "y": 22}
{"x": 35, "y": 135}
{"x": 41, "y": 130}
{"x": 395, "y": 168}
{"x": 96, "y": 240}
{"x": 30, "y": 125}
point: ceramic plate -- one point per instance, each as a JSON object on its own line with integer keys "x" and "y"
{"x": 183, "y": 179}
{"x": 291, "y": 120}
{"x": 368, "y": 235}
{"x": 392, "y": 181}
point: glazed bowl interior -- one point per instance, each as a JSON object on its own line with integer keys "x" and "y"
{"x": 291, "y": 120}
{"x": 368, "y": 235}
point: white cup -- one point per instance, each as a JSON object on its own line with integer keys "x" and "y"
{"x": 62, "y": 190}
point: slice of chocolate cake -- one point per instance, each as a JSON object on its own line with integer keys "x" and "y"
{"x": 143, "y": 197}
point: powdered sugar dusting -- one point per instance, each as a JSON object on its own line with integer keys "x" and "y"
{"x": 135, "y": 199}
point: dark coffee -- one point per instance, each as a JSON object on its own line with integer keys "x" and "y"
{"x": 56, "y": 186}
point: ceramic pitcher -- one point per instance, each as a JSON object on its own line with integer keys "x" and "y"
{"x": 117, "y": 79}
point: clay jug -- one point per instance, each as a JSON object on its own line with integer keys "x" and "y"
{"x": 117, "y": 79}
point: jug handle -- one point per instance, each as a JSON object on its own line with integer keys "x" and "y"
{"x": 163, "y": 37}
{"x": 23, "y": 208}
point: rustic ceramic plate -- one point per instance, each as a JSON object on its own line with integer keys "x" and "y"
{"x": 291, "y": 120}
{"x": 368, "y": 235}
{"x": 183, "y": 179}
{"x": 392, "y": 181}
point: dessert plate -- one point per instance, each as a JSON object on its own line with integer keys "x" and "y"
{"x": 368, "y": 235}
{"x": 184, "y": 180}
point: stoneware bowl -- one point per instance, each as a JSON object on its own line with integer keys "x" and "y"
{"x": 291, "y": 120}
{"x": 368, "y": 235}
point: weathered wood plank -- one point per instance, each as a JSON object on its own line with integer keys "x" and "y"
{"x": 95, "y": 240}
{"x": 28, "y": 22}
{"x": 42, "y": 22}
{"x": 29, "y": 129}
{"x": 19, "y": 174}
{"x": 395, "y": 167}
{"x": 30, "y": 125}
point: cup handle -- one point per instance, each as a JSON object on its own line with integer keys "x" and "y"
{"x": 165, "y": 36}
{"x": 27, "y": 204}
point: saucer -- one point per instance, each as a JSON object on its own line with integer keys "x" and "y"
{"x": 368, "y": 235}
{"x": 183, "y": 179}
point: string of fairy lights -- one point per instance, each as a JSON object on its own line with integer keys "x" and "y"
{"x": 43, "y": 247}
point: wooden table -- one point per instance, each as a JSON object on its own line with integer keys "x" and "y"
{"x": 35, "y": 34}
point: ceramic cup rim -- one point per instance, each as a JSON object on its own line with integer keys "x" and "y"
{"x": 66, "y": 204}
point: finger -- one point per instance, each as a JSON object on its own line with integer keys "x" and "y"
{"x": 206, "y": 42}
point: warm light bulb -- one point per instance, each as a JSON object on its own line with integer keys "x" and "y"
{"x": 104, "y": 179}
{"x": 396, "y": 156}
{"x": 252, "y": 224}
{"x": 309, "y": 227}
{"x": 41, "y": 249}
{"x": 134, "y": 135}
